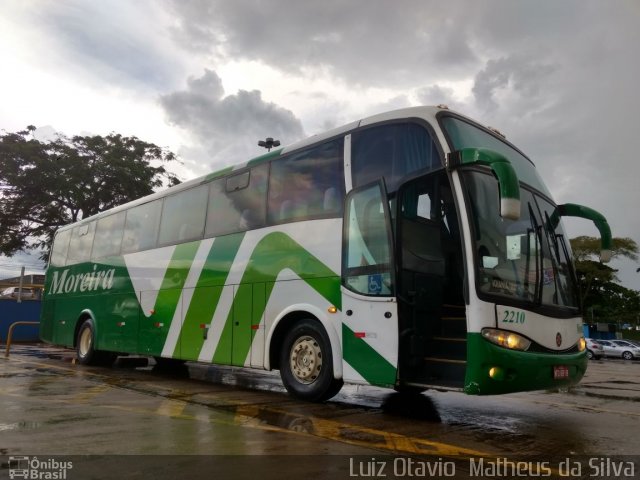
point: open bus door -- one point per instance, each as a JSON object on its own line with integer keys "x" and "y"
{"x": 431, "y": 305}
{"x": 370, "y": 317}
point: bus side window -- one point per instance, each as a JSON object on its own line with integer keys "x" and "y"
{"x": 392, "y": 151}
{"x": 367, "y": 260}
{"x": 60, "y": 249}
{"x": 307, "y": 184}
{"x": 141, "y": 227}
{"x": 183, "y": 216}
{"x": 237, "y": 203}
{"x": 108, "y": 236}
{"x": 81, "y": 243}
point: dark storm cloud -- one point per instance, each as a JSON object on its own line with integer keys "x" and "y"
{"x": 559, "y": 78}
{"x": 228, "y": 127}
{"x": 365, "y": 42}
{"x": 117, "y": 43}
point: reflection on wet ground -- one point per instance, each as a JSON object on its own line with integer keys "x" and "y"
{"x": 414, "y": 406}
{"x": 434, "y": 423}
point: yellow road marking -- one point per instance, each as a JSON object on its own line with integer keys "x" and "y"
{"x": 91, "y": 393}
{"x": 171, "y": 408}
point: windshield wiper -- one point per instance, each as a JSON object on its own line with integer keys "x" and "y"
{"x": 536, "y": 229}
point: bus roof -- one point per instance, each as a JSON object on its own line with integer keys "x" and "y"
{"x": 424, "y": 112}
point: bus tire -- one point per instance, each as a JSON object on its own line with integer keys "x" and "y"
{"x": 306, "y": 363}
{"x": 85, "y": 344}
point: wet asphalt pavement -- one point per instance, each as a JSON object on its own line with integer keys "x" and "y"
{"x": 50, "y": 406}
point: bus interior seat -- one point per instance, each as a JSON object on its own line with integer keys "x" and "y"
{"x": 331, "y": 200}
{"x": 286, "y": 209}
{"x": 245, "y": 219}
{"x": 290, "y": 209}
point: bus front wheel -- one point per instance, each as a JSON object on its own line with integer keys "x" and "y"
{"x": 306, "y": 363}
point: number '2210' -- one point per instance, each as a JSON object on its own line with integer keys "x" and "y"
{"x": 511, "y": 316}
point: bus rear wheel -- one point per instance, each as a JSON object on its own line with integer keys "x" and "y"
{"x": 306, "y": 363}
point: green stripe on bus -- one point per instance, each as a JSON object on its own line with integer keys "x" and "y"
{"x": 207, "y": 295}
{"x": 274, "y": 253}
{"x": 218, "y": 174}
{"x": 170, "y": 291}
{"x": 373, "y": 367}
{"x": 264, "y": 158}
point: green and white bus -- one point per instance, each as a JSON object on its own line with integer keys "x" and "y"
{"x": 413, "y": 249}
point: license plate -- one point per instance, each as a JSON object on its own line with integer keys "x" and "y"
{"x": 560, "y": 372}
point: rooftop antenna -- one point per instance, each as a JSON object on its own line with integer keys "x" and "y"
{"x": 269, "y": 143}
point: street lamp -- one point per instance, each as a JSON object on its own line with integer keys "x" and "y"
{"x": 269, "y": 143}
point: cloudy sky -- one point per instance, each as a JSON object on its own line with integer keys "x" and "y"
{"x": 209, "y": 78}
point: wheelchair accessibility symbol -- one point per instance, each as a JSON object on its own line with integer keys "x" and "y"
{"x": 375, "y": 283}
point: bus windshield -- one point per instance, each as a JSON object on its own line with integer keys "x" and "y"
{"x": 527, "y": 259}
{"x": 463, "y": 135}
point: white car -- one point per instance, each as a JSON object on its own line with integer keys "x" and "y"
{"x": 13, "y": 292}
{"x": 620, "y": 348}
{"x": 594, "y": 349}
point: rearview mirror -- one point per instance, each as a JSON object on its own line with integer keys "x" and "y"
{"x": 501, "y": 167}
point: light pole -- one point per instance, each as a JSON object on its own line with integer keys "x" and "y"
{"x": 269, "y": 143}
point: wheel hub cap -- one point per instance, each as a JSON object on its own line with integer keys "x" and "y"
{"x": 306, "y": 360}
{"x": 85, "y": 342}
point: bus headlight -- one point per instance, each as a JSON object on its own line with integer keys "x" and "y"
{"x": 506, "y": 339}
{"x": 582, "y": 344}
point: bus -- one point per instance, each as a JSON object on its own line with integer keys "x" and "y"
{"x": 414, "y": 249}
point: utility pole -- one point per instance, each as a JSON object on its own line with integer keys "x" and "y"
{"x": 20, "y": 284}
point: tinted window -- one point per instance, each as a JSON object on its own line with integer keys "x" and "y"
{"x": 237, "y": 203}
{"x": 464, "y": 135}
{"x": 81, "y": 242}
{"x": 392, "y": 151}
{"x": 109, "y": 235}
{"x": 183, "y": 216}
{"x": 237, "y": 182}
{"x": 307, "y": 184}
{"x": 141, "y": 227}
{"x": 558, "y": 286}
{"x": 367, "y": 263}
{"x": 60, "y": 248}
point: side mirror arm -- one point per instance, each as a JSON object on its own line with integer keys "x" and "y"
{"x": 503, "y": 170}
{"x": 573, "y": 210}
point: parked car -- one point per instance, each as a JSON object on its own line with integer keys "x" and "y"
{"x": 620, "y": 348}
{"x": 13, "y": 292}
{"x": 594, "y": 349}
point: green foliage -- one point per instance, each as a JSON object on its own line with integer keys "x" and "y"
{"x": 602, "y": 298}
{"x": 44, "y": 185}
{"x": 585, "y": 248}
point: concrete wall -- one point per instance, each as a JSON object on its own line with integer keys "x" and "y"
{"x": 12, "y": 311}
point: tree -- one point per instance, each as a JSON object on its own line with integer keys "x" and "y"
{"x": 44, "y": 185}
{"x": 588, "y": 248}
{"x": 599, "y": 291}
